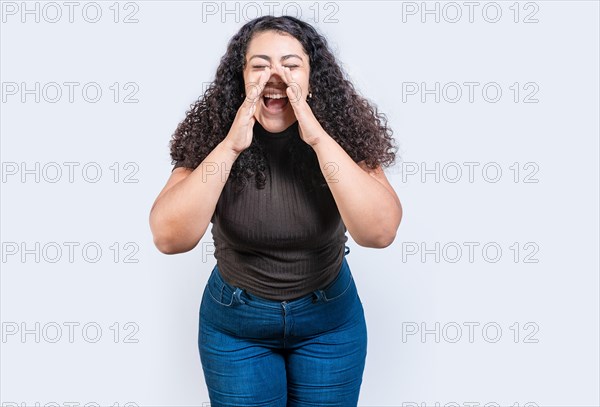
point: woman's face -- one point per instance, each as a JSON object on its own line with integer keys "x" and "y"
{"x": 270, "y": 49}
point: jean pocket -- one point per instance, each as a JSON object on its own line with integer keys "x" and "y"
{"x": 220, "y": 291}
{"x": 340, "y": 285}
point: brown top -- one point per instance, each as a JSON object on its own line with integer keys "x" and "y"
{"x": 281, "y": 242}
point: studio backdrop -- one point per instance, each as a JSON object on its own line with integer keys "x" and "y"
{"x": 487, "y": 297}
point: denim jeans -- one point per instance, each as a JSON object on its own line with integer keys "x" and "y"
{"x": 309, "y": 351}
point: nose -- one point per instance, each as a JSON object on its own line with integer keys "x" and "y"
{"x": 274, "y": 76}
{"x": 275, "y": 81}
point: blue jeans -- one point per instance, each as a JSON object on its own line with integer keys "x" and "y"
{"x": 309, "y": 351}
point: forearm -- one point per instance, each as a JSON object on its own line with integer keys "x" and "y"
{"x": 369, "y": 211}
{"x": 180, "y": 216}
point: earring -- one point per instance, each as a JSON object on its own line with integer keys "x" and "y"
{"x": 309, "y": 95}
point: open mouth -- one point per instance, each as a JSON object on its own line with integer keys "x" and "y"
{"x": 275, "y": 103}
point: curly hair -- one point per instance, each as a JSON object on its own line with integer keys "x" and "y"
{"x": 350, "y": 119}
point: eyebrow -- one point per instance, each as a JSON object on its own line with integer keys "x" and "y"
{"x": 268, "y": 58}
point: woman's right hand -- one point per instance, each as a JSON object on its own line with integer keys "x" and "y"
{"x": 240, "y": 135}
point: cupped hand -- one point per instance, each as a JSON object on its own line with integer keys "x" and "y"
{"x": 310, "y": 128}
{"x": 240, "y": 134}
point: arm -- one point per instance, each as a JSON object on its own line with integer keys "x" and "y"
{"x": 182, "y": 211}
{"x": 367, "y": 202}
{"x": 365, "y": 199}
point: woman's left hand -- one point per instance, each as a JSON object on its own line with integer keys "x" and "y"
{"x": 308, "y": 125}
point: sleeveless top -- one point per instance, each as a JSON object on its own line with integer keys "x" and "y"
{"x": 281, "y": 242}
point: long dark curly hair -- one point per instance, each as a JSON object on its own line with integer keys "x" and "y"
{"x": 350, "y": 119}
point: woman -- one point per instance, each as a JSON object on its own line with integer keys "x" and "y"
{"x": 283, "y": 156}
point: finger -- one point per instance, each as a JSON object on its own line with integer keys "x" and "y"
{"x": 279, "y": 69}
{"x": 287, "y": 73}
{"x": 289, "y": 81}
{"x": 251, "y": 123}
{"x": 251, "y": 110}
{"x": 264, "y": 78}
{"x": 296, "y": 92}
{"x": 255, "y": 88}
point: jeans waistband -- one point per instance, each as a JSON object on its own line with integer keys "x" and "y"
{"x": 240, "y": 295}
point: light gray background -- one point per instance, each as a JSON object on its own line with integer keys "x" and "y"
{"x": 170, "y": 53}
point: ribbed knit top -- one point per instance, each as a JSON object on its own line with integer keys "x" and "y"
{"x": 281, "y": 242}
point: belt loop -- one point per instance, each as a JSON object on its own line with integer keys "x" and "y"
{"x": 347, "y": 250}
{"x": 318, "y": 295}
{"x": 236, "y": 295}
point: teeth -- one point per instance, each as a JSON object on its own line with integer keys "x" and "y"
{"x": 275, "y": 96}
